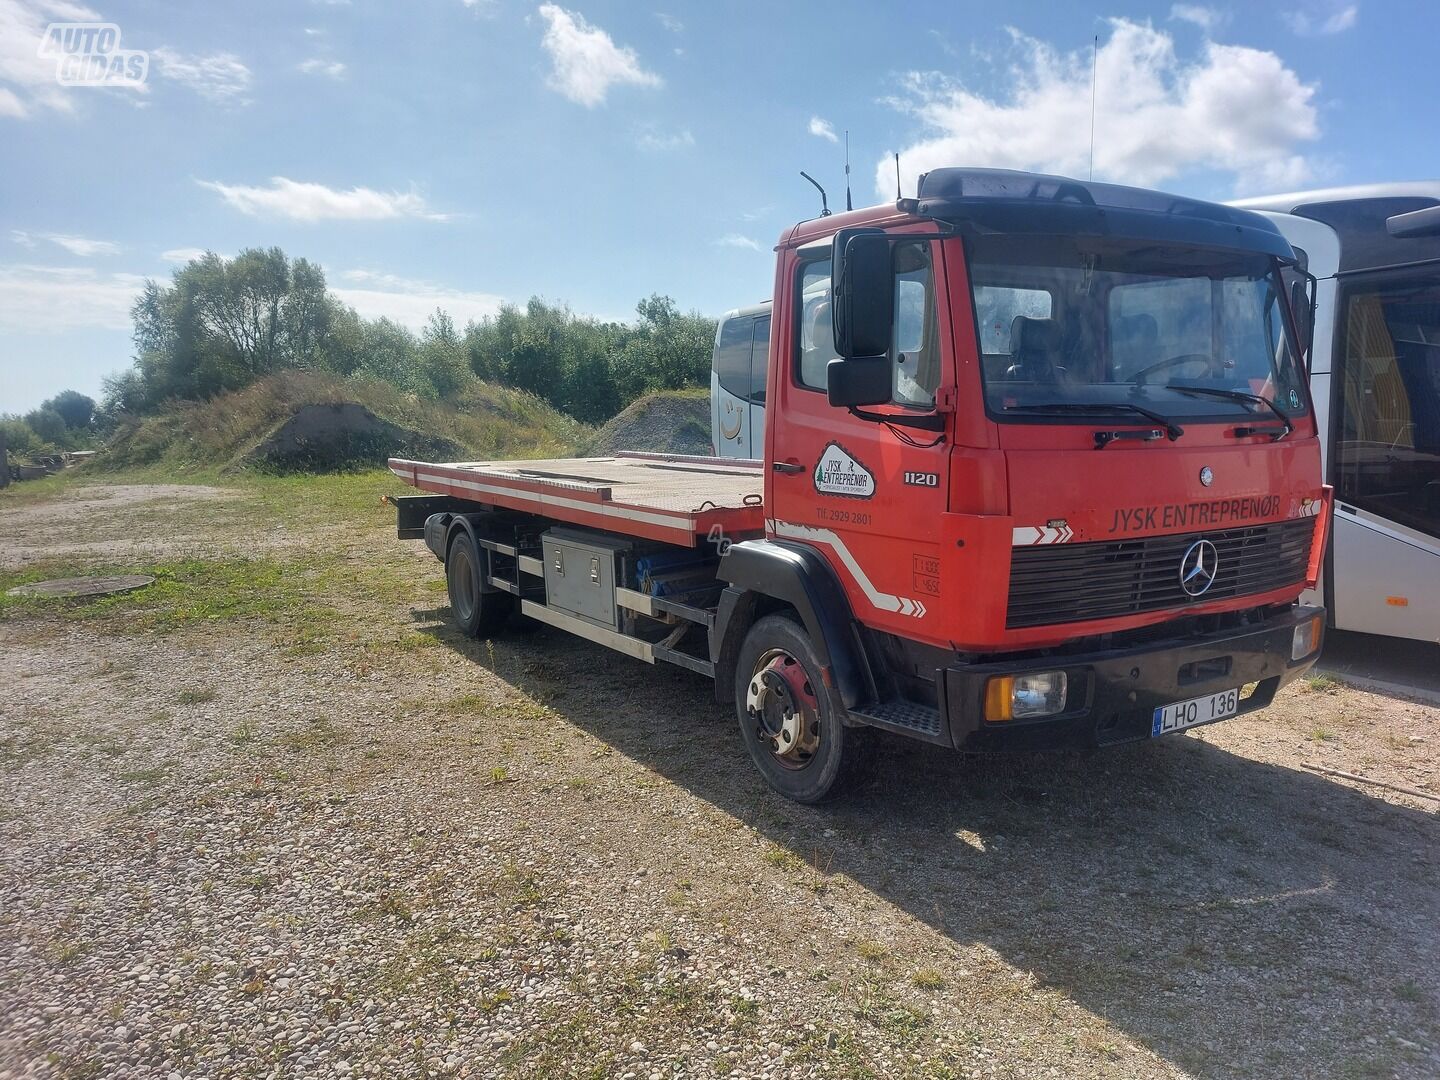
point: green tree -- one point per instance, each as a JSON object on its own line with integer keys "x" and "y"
{"x": 20, "y": 437}
{"x": 444, "y": 368}
{"x": 390, "y": 353}
{"x": 48, "y": 424}
{"x": 75, "y": 408}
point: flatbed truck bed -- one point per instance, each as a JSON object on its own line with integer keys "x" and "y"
{"x": 672, "y": 498}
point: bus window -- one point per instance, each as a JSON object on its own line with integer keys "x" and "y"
{"x": 732, "y": 356}
{"x": 760, "y": 360}
{"x": 1387, "y": 436}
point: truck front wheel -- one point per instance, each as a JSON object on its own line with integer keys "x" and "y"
{"x": 477, "y": 613}
{"x": 791, "y": 722}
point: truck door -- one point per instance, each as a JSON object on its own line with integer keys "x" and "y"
{"x": 867, "y": 495}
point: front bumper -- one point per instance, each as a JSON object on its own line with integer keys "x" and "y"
{"x": 1113, "y": 694}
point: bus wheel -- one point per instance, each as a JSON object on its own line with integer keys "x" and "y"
{"x": 791, "y": 722}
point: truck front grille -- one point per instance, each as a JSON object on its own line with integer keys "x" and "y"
{"x": 1064, "y": 583}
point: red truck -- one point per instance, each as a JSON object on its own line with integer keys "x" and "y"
{"x": 1041, "y": 471}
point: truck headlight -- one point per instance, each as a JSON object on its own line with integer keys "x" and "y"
{"x": 1022, "y": 697}
{"x": 1306, "y": 638}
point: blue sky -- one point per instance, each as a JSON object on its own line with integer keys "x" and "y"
{"x": 454, "y": 153}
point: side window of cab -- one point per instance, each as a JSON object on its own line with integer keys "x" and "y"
{"x": 914, "y": 340}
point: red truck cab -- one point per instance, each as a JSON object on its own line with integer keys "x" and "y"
{"x": 1071, "y": 446}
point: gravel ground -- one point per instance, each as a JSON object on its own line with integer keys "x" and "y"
{"x": 406, "y": 854}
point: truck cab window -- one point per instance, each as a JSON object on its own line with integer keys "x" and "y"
{"x": 816, "y": 332}
{"x": 1131, "y": 323}
{"x": 914, "y": 348}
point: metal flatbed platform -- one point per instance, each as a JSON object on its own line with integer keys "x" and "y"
{"x": 673, "y": 498}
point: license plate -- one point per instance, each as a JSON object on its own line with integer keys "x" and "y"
{"x": 1200, "y": 710}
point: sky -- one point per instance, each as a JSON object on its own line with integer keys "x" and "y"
{"x": 466, "y": 153}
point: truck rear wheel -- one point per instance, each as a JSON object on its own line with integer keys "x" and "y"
{"x": 792, "y": 723}
{"x": 476, "y": 612}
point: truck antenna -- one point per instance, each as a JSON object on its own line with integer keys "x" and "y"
{"x": 1094, "y": 73}
{"x": 824, "y": 206}
{"x": 898, "y": 196}
{"x": 847, "y": 170}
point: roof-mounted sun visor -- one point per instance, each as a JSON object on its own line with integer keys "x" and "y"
{"x": 1424, "y": 222}
{"x": 1008, "y": 201}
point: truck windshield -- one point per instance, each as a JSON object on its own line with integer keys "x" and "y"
{"x": 1085, "y": 321}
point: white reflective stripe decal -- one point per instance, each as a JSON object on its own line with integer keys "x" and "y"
{"x": 882, "y": 600}
{"x": 1029, "y": 536}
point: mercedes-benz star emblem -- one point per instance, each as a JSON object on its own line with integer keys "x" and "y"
{"x": 1198, "y": 567}
{"x": 1206, "y": 476}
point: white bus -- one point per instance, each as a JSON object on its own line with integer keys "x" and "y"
{"x": 737, "y": 382}
{"x": 1375, "y": 376}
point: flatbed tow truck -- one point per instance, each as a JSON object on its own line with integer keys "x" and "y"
{"x": 1041, "y": 471}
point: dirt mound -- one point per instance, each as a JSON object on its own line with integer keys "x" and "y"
{"x": 669, "y": 422}
{"x": 304, "y": 422}
{"x": 344, "y": 435}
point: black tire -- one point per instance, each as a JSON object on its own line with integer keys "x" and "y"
{"x": 808, "y": 770}
{"x": 476, "y": 613}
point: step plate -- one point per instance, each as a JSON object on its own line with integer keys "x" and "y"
{"x": 905, "y": 716}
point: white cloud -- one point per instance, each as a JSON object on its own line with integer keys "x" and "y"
{"x": 670, "y": 22}
{"x": 28, "y": 78}
{"x": 660, "y": 141}
{"x": 78, "y": 245}
{"x": 409, "y": 302}
{"x": 75, "y": 245}
{"x": 298, "y": 201}
{"x": 585, "y": 61}
{"x": 10, "y": 104}
{"x": 823, "y": 128}
{"x": 183, "y": 255}
{"x": 738, "y": 240}
{"x": 1206, "y": 18}
{"x": 46, "y": 299}
{"x": 221, "y": 76}
{"x": 1232, "y": 109}
{"x": 331, "y": 69}
{"x": 1339, "y": 20}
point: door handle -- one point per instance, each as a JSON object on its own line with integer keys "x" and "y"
{"x": 789, "y": 467}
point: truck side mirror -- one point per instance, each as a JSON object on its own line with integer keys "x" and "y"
{"x": 1302, "y": 303}
{"x": 860, "y": 380}
{"x": 864, "y": 293}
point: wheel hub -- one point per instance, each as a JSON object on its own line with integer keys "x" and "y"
{"x": 782, "y": 705}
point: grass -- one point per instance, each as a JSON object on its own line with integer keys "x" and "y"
{"x": 782, "y": 858}
{"x": 927, "y": 978}
{"x": 1322, "y": 684}
{"x": 1409, "y": 991}
{"x": 871, "y": 951}
{"x": 186, "y": 592}
{"x": 196, "y": 697}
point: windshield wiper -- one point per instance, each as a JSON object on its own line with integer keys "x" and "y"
{"x": 1103, "y": 438}
{"x": 1238, "y": 395}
